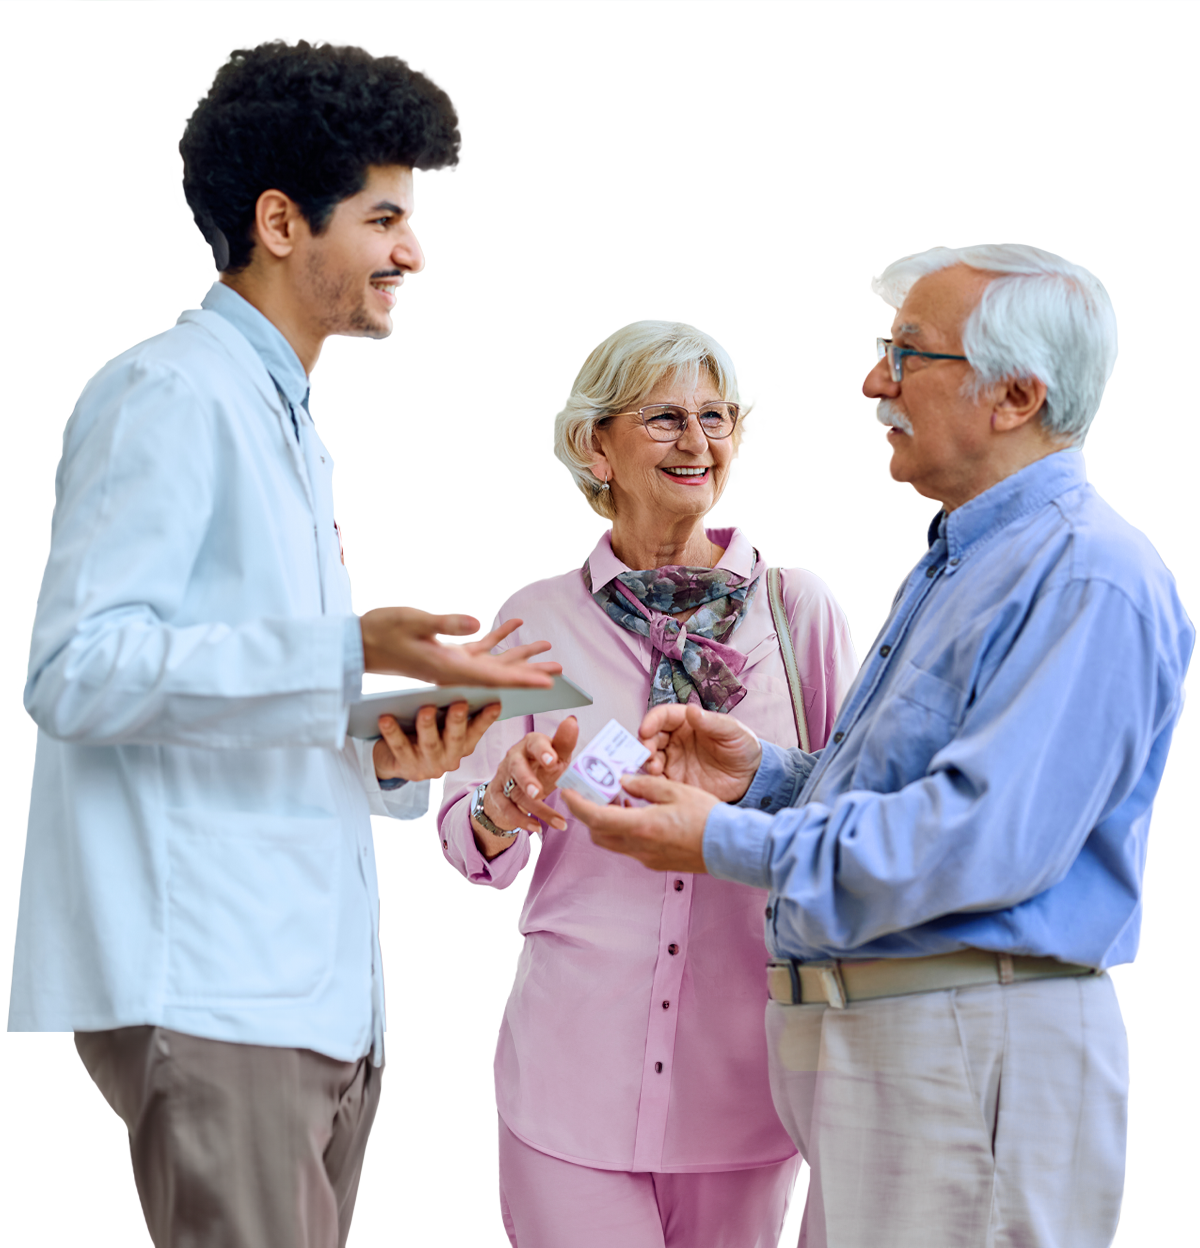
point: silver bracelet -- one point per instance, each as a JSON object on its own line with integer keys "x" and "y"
{"x": 482, "y": 819}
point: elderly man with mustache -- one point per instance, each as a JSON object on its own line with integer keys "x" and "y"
{"x": 952, "y": 874}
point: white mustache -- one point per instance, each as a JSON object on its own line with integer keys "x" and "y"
{"x": 888, "y": 414}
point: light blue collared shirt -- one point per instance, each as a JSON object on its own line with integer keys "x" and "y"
{"x": 990, "y": 777}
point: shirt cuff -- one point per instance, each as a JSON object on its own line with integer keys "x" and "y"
{"x": 737, "y": 846}
{"x": 353, "y": 662}
{"x": 778, "y": 781}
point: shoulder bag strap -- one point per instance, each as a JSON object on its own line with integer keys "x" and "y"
{"x": 787, "y": 650}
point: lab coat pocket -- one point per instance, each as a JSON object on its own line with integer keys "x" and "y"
{"x": 251, "y": 908}
{"x": 917, "y": 717}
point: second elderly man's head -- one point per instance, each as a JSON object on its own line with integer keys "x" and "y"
{"x": 623, "y": 433}
{"x": 998, "y": 356}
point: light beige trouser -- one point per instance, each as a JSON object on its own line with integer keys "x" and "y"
{"x": 237, "y": 1145}
{"x": 990, "y": 1117}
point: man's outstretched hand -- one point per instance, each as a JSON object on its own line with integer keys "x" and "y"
{"x": 404, "y": 641}
{"x": 668, "y": 836}
{"x": 692, "y": 746}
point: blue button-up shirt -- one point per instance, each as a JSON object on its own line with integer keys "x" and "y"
{"x": 990, "y": 777}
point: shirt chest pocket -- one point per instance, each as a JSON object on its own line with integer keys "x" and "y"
{"x": 911, "y": 721}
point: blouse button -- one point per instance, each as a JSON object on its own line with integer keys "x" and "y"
{"x": 658, "y": 1068}
{"x": 679, "y": 886}
{"x": 666, "y": 1005}
{"x": 672, "y": 950}
{"x": 445, "y": 844}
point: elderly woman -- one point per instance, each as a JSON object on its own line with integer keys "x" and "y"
{"x": 631, "y": 1072}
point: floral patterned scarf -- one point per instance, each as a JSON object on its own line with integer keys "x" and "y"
{"x": 692, "y": 663}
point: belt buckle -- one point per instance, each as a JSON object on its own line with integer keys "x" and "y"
{"x": 831, "y": 982}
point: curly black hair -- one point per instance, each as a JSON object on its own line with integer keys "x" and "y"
{"x": 307, "y": 120}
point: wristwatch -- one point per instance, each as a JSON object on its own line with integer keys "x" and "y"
{"x": 482, "y": 819}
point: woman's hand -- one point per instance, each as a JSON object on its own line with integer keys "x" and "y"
{"x": 527, "y": 773}
{"x": 712, "y": 752}
{"x": 426, "y": 755}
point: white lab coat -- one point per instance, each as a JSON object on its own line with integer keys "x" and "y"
{"x": 199, "y": 853}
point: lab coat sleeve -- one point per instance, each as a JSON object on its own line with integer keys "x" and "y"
{"x": 409, "y": 801}
{"x": 135, "y": 492}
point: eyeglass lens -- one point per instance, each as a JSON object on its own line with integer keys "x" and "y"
{"x": 665, "y": 422}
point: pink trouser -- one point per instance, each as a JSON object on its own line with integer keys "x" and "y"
{"x": 550, "y": 1203}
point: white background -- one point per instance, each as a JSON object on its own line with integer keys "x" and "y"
{"x": 743, "y": 167}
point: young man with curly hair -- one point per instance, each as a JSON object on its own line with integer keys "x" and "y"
{"x": 199, "y": 901}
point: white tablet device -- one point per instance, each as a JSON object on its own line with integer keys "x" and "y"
{"x": 405, "y": 703}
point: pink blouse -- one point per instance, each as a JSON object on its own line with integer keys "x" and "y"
{"x": 633, "y": 1037}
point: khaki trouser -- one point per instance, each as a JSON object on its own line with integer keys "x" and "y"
{"x": 985, "y": 1117}
{"x": 237, "y": 1145}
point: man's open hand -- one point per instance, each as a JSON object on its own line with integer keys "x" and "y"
{"x": 428, "y": 754}
{"x": 404, "y": 641}
{"x": 693, "y": 746}
{"x": 668, "y": 836}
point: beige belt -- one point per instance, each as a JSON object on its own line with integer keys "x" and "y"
{"x": 837, "y": 982}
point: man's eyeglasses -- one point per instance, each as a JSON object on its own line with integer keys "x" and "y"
{"x": 666, "y": 422}
{"x": 895, "y": 356}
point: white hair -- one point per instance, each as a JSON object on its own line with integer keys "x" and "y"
{"x": 618, "y": 374}
{"x": 1040, "y": 317}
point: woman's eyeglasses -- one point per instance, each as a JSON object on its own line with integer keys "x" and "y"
{"x": 666, "y": 422}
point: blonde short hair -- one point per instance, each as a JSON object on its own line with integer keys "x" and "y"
{"x": 620, "y": 372}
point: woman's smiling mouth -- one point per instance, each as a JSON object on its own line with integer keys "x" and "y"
{"x": 693, "y": 476}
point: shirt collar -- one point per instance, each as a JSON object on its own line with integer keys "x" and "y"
{"x": 273, "y": 348}
{"x": 1021, "y": 494}
{"x": 740, "y": 557}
